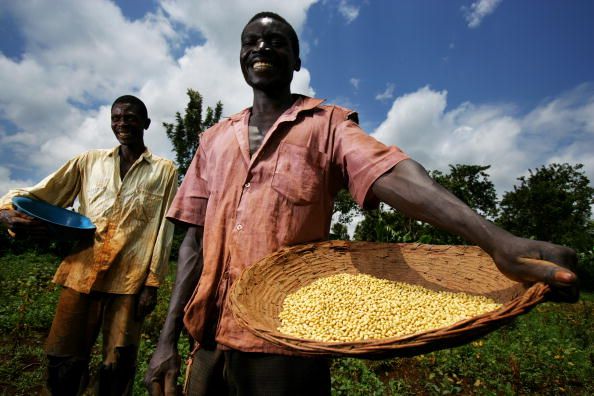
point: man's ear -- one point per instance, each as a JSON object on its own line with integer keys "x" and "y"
{"x": 147, "y": 123}
{"x": 298, "y": 64}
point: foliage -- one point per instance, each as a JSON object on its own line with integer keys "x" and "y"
{"x": 25, "y": 283}
{"x": 552, "y": 204}
{"x": 585, "y": 269}
{"x": 28, "y": 305}
{"x": 387, "y": 225}
{"x": 339, "y": 231}
{"x": 23, "y": 244}
{"x": 548, "y": 351}
{"x": 184, "y": 134}
{"x": 345, "y": 206}
{"x": 470, "y": 183}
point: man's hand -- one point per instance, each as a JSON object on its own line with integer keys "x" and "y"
{"x": 529, "y": 261}
{"x": 147, "y": 300}
{"x": 20, "y": 224}
{"x": 162, "y": 372}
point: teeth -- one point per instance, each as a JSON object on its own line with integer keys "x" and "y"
{"x": 259, "y": 66}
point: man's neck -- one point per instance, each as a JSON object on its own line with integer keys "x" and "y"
{"x": 129, "y": 154}
{"x": 268, "y": 107}
{"x": 273, "y": 100}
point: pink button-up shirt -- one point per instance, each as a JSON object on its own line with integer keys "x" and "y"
{"x": 282, "y": 195}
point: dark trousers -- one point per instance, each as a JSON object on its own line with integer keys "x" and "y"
{"x": 235, "y": 373}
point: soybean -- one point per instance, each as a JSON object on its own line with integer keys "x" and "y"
{"x": 345, "y": 307}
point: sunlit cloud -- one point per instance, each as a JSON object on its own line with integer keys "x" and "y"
{"x": 559, "y": 130}
{"x": 387, "y": 94}
{"x": 478, "y": 11}
{"x": 348, "y": 11}
{"x": 78, "y": 56}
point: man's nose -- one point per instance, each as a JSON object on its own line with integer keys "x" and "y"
{"x": 262, "y": 45}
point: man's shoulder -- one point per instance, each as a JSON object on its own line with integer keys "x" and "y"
{"x": 94, "y": 154}
{"x": 223, "y": 125}
{"x": 162, "y": 161}
{"x": 339, "y": 112}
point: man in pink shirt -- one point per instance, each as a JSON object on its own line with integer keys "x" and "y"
{"x": 266, "y": 178}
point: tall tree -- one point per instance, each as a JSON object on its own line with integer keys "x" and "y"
{"x": 554, "y": 203}
{"x": 184, "y": 134}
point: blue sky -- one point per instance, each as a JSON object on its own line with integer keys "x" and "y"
{"x": 495, "y": 82}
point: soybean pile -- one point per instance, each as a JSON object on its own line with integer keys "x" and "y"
{"x": 346, "y": 307}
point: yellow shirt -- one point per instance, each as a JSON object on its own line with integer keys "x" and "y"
{"x": 133, "y": 239}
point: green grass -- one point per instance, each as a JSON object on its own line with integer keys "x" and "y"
{"x": 549, "y": 351}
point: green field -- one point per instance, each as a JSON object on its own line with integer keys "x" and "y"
{"x": 549, "y": 351}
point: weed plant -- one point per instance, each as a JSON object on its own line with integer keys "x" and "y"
{"x": 549, "y": 351}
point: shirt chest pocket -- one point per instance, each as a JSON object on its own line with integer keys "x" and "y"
{"x": 299, "y": 174}
{"x": 146, "y": 206}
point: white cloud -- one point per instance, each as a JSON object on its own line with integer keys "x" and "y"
{"x": 478, "y": 10}
{"x": 387, "y": 94}
{"x": 348, "y": 11}
{"x": 355, "y": 82}
{"x": 80, "y": 55}
{"x": 6, "y": 183}
{"x": 559, "y": 130}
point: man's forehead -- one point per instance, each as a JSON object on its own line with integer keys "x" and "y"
{"x": 264, "y": 23}
{"x": 126, "y": 107}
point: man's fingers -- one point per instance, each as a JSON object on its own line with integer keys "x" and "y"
{"x": 564, "y": 276}
{"x": 564, "y": 281}
{"x": 545, "y": 271}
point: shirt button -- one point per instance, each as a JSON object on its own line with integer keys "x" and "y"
{"x": 247, "y": 185}
{"x": 239, "y": 227}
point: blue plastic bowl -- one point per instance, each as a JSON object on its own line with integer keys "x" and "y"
{"x": 64, "y": 223}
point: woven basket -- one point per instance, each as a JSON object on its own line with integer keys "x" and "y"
{"x": 256, "y": 297}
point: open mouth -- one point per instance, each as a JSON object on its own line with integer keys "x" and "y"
{"x": 124, "y": 134}
{"x": 260, "y": 66}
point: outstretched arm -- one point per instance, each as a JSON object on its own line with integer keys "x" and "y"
{"x": 163, "y": 369}
{"x": 409, "y": 189}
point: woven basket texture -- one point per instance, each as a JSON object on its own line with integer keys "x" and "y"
{"x": 256, "y": 297}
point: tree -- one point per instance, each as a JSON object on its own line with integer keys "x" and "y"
{"x": 345, "y": 208}
{"x": 185, "y": 133}
{"x": 470, "y": 183}
{"x": 387, "y": 225}
{"x": 185, "y": 138}
{"x": 339, "y": 231}
{"x": 552, "y": 204}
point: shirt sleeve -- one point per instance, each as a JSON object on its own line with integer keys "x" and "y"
{"x": 189, "y": 204}
{"x": 162, "y": 248}
{"x": 362, "y": 159}
{"x": 59, "y": 188}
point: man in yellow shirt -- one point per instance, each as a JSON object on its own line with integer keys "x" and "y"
{"x": 110, "y": 285}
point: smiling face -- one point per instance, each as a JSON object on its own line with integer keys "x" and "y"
{"x": 128, "y": 124}
{"x": 267, "y": 56}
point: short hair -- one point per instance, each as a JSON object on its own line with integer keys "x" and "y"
{"x": 292, "y": 34}
{"x": 133, "y": 100}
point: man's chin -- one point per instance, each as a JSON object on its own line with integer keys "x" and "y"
{"x": 267, "y": 85}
